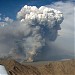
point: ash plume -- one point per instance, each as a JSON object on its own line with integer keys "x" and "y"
{"x": 27, "y": 36}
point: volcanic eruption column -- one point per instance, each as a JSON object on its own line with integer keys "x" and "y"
{"x": 38, "y": 22}
{"x": 34, "y": 27}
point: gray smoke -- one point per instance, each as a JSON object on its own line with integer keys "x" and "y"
{"x": 26, "y": 37}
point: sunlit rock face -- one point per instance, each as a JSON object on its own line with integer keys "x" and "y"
{"x": 35, "y": 26}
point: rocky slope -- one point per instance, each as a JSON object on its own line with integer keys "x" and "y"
{"x": 66, "y": 67}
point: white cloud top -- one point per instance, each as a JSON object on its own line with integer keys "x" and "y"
{"x": 42, "y": 15}
{"x": 7, "y": 19}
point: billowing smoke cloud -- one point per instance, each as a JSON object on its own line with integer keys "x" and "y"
{"x": 27, "y": 36}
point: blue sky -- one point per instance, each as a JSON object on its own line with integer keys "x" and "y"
{"x": 11, "y": 7}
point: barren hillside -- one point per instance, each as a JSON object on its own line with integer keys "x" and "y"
{"x": 66, "y": 67}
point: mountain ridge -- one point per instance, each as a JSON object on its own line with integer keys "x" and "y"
{"x": 65, "y": 67}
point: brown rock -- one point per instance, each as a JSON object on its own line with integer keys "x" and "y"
{"x": 66, "y": 67}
